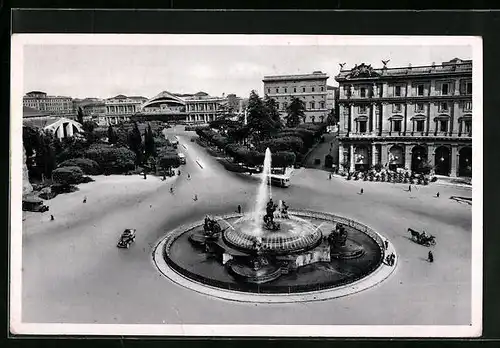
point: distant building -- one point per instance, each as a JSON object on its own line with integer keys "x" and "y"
{"x": 62, "y": 127}
{"x": 310, "y": 88}
{"x": 407, "y": 117}
{"x": 55, "y": 105}
{"x": 120, "y": 109}
{"x": 190, "y": 108}
{"x": 93, "y": 108}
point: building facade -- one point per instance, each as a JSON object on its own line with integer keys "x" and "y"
{"x": 203, "y": 108}
{"x": 407, "y": 117}
{"x": 92, "y": 108}
{"x": 55, "y": 105}
{"x": 310, "y": 88}
{"x": 120, "y": 109}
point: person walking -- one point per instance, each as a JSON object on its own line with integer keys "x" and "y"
{"x": 430, "y": 257}
{"x": 51, "y": 217}
{"x": 330, "y": 176}
{"x": 362, "y": 191}
{"x": 409, "y": 188}
{"x": 189, "y": 177}
{"x": 85, "y": 199}
{"x": 145, "y": 177}
{"x": 386, "y": 244}
{"x": 239, "y": 209}
{"x": 195, "y": 197}
{"x": 437, "y": 195}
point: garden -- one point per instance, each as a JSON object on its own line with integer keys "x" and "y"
{"x": 56, "y": 166}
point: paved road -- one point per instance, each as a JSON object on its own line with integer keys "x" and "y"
{"x": 73, "y": 272}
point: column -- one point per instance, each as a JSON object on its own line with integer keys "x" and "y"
{"x": 457, "y": 87}
{"x": 374, "y": 154}
{"x": 341, "y": 157}
{"x": 351, "y": 118}
{"x": 372, "y": 121}
{"x": 433, "y": 88}
{"x": 384, "y": 90}
{"x": 408, "y": 157}
{"x": 374, "y": 91}
{"x": 351, "y": 158}
{"x": 455, "y": 124}
{"x": 408, "y": 89}
{"x": 384, "y": 154}
{"x": 431, "y": 155}
{"x": 405, "y": 120}
{"x": 454, "y": 160}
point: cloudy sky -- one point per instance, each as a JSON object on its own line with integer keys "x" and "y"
{"x": 81, "y": 71}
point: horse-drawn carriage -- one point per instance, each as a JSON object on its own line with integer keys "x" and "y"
{"x": 422, "y": 238}
{"x": 127, "y": 238}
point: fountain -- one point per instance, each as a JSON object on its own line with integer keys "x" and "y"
{"x": 270, "y": 247}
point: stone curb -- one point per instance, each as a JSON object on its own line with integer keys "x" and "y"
{"x": 373, "y": 279}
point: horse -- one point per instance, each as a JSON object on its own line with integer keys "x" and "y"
{"x": 414, "y": 234}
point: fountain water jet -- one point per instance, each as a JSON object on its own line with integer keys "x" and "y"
{"x": 263, "y": 194}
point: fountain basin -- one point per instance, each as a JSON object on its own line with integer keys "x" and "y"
{"x": 295, "y": 235}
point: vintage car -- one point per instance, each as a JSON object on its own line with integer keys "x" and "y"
{"x": 34, "y": 204}
{"x": 127, "y": 237}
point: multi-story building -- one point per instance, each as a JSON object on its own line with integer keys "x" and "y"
{"x": 93, "y": 108}
{"x": 190, "y": 108}
{"x": 55, "y": 105}
{"x": 120, "y": 109}
{"x": 310, "y": 88}
{"x": 407, "y": 117}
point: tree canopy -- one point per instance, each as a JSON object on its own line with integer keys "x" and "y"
{"x": 260, "y": 122}
{"x": 296, "y": 112}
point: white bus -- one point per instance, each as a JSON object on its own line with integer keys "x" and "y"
{"x": 280, "y": 180}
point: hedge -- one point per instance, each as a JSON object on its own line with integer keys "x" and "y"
{"x": 286, "y": 143}
{"x": 112, "y": 160}
{"x": 169, "y": 159}
{"x": 283, "y": 159}
{"x": 67, "y": 175}
{"x": 88, "y": 166}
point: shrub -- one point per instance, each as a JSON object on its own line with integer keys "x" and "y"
{"x": 169, "y": 159}
{"x": 67, "y": 175}
{"x": 88, "y": 166}
{"x": 283, "y": 159}
{"x": 112, "y": 160}
{"x": 286, "y": 143}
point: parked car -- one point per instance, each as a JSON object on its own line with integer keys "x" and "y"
{"x": 182, "y": 157}
{"x": 34, "y": 204}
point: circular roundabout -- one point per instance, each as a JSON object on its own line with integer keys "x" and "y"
{"x": 301, "y": 256}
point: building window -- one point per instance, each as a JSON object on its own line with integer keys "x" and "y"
{"x": 294, "y": 89}
{"x": 467, "y": 126}
{"x": 277, "y": 90}
{"x": 420, "y": 125}
{"x": 303, "y": 89}
{"x": 312, "y": 89}
{"x": 285, "y": 90}
{"x": 311, "y": 105}
{"x": 313, "y": 118}
{"x": 445, "y": 87}
{"x": 468, "y": 106}
{"x": 469, "y": 88}
{"x": 397, "y": 91}
{"x": 396, "y": 126}
{"x": 443, "y": 125}
{"x": 363, "y": 92}
{"x": 269, "y": 90}
{"x": 362, "y": 126}
{"x": 322, "y": 89}
{"x": 322, "y": 105}
{"x": 396, "y": 108}
{"x": 419, "y": 107}
{"x": 420, "y": 90}
{"x": 443, "y": 107}
{"x": 362, "y": 109}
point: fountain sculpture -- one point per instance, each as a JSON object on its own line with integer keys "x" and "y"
{"x": 261, "y": 246}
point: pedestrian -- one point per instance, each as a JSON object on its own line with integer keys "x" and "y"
{"x": 51, "y": 217}
{"x": 437, "y": 195}
{"x": 330, "y": 176}
{"x": 85, "y": 199}
{"x": 430, "y": 257}
{"x": 239, "y": 209}
{"x": 386, "y": 244}
{"x": 179, "y": 172}
{"x": 393, "y": 259}
{"x": 145, "y": 177}
{"x": 409, "y": 188}
{"x": 362, "y": 191}
{"x": 171, "y": 189}
{"x": 195, "y": 197}
{"x": 189, "y": 177}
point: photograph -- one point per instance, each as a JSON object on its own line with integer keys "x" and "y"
{"x": 246, "y": 185}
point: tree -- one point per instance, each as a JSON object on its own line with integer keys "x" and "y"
{"x": 169, "y": 160}
{"x": 272, "y": 111}
{"x": 135, "y": 143}
{"x": 112, "y": 136}
{"x": 80, "y": 115}
{"x": 149, "y": 143}
{"x": 259, "y": 121}
{"x": 331, "y": 118}
{"x": 46, "y": 159}
{"x": 295, "y": 112}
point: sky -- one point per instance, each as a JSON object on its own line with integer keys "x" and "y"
{"x": 103, "y": 71}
